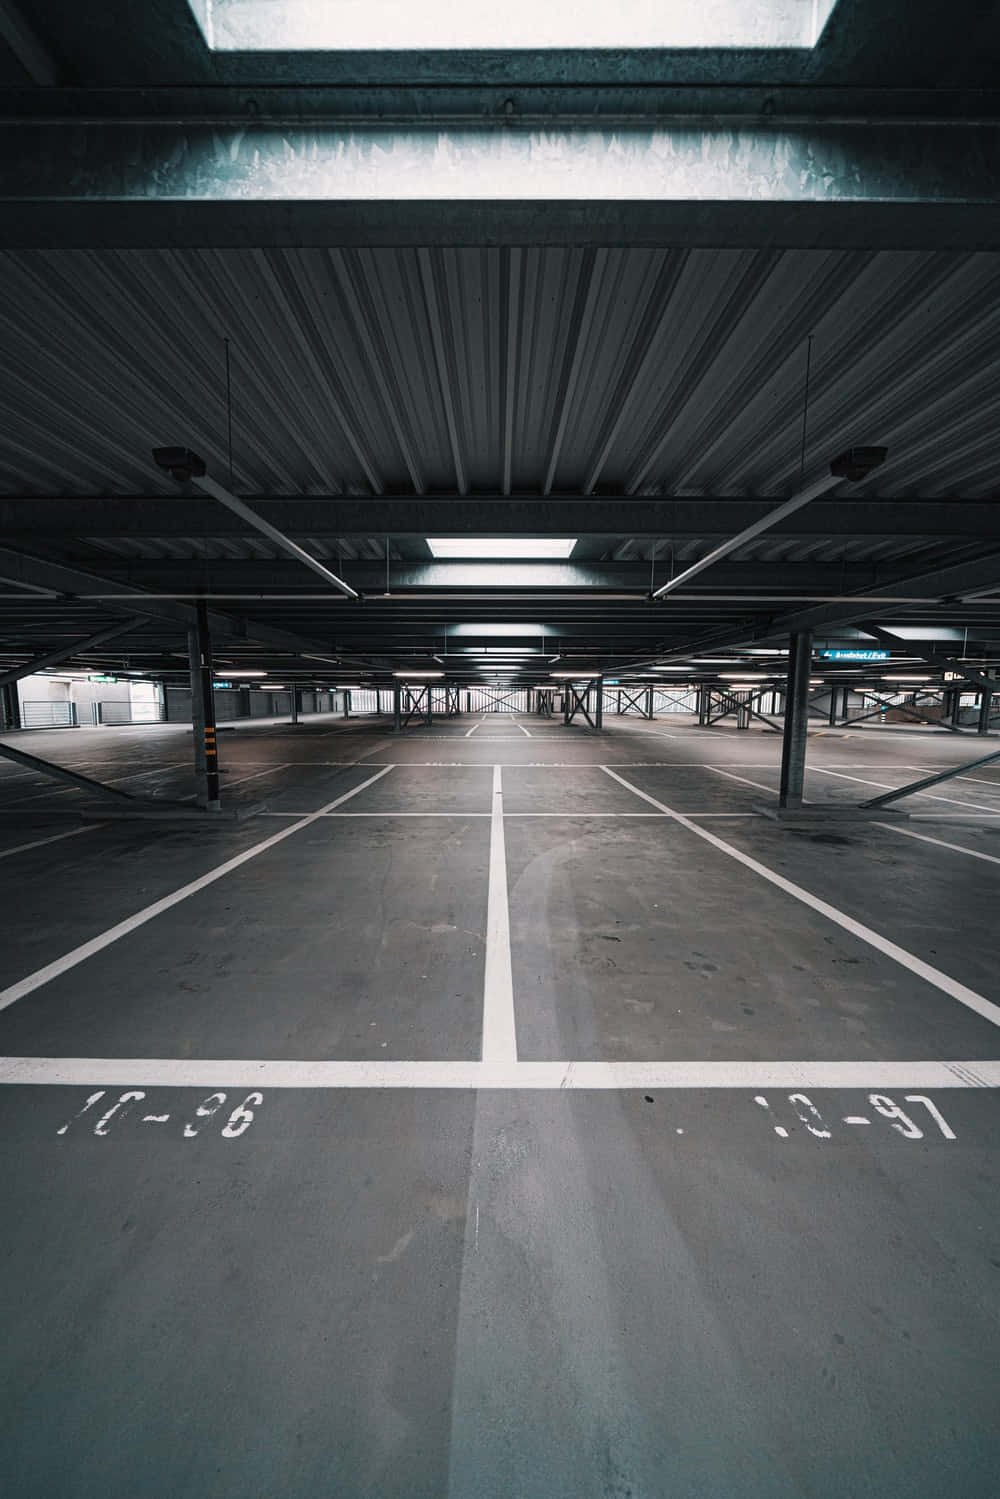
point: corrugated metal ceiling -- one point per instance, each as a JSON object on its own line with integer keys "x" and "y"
{"x": 626, "y": 371}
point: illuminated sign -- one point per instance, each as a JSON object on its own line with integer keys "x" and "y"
{"x": 222, "y": 684}
{"x": 855, "y": 655}
{"x": 101, "y": 678}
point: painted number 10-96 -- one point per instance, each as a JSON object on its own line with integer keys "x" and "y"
{"x": 237, "y": 1123}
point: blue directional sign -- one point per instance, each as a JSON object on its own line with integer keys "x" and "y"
{"x": 222, "y": 684}
{"x": 850, "y": 655}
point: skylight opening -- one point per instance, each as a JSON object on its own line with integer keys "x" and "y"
{"x": 437, "y": 25}
{"x": 500, "y": 548}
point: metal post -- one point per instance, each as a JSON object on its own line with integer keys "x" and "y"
{"x": 832, "y": 719}
{"x": 206, "y": 750}
{"x": 793, "y": 739}
{"x": 649, "y": 702}
{"x": 295, "y": 702}
{"x": 704, "y": 704}
{"x": 347, "y": 702}
{"x": 10, "y": 707}
{"x": 599, "y": 712}
{"x": 429, "y": 718}
{"x": 397, "y": 721}
{"x": 985, "y": 704}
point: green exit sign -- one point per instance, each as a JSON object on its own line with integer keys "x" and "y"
{"x": 100, "y": 678}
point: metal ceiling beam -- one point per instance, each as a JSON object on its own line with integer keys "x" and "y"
{"x": 224, "y": 574}
{"x": 420, "y": 516}
{"x": 209, "y": 486}
{"x": 757, "y": 528}
{"x": 189, "y": 181}
{"x": 933, "y": 658}
{"x": 854, "y": 465}
{"x": 67, "y": 652}
{"x": 31, "y": 51}
{"x": 72, "y": 581}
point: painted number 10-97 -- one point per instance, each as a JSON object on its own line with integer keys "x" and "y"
{"x": 238, "y": 1122}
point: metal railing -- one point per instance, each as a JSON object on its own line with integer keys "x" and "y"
{"x": 45, "y": 713}
{"x": 111, "y": 713}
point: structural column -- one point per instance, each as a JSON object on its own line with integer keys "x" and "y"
{"x": 985, "y": 704}
{"x": 295, "y": 702}
{"x": 793, "y": 742}
{"x": 206, "y": 750}
{"x": 10, "y": 707}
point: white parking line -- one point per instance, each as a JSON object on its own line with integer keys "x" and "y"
{"x": 97, "y": 944}
{"x": 524, "y": 730}
{"x": 475, "y": 726}
{"x": 931, "y": 795}
{"x": 168, "y": 1072}
{"x": 499, "y": 1031}
{"x": 22, "y": 848}
{"x": 973, "y": 853}
{"x": 965, "y": 996}
{"x": 771, "y": 791}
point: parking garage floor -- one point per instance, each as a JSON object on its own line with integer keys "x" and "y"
{"x": 504, "y": 1111}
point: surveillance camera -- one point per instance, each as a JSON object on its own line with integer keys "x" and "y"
{"x": 857, "y": 463}
{"x": 180, "y": 463}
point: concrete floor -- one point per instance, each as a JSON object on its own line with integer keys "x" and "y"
{"x": 748, "y": 1245}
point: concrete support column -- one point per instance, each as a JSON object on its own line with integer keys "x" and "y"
{"x": 834, "y": 715}
{"x": 397, "y": 718}
{"x": 599, "y": 708}
{"x": 649, "y": 702}
{"x": 294, "y": 694}
{"x": 704, "y": 704}
{"x": 206, "y": 750}
{"x": 793, "y": 741}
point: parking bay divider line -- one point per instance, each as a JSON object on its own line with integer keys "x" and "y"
{"x": 558, "y": 1076}
{"x": 965, "y": 996}
{"x": 85, "y": 950}
{"x": 499, "y": 1042}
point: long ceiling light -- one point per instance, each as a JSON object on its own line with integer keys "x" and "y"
{"x": 184, "y": 465}
{"x": 855, "y": 464}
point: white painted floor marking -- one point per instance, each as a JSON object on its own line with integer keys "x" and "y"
{"x": 22, "y": 848}
{"x": 499, "y": 1032}
{"x": 965, "y": 996}
{"x": 973, "y": 853}
{"x": 471, "y": 731}
{"x": 97, "y": 944}
{"x": 176, "y": 1072}
{"x": 930, "y": 795}
{"x": 524, "y": 730}
{"x": 228, "y": 784}
{"x": 771, "y": 790}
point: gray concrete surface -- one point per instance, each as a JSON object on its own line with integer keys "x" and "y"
{"x": 640, "y": 1292}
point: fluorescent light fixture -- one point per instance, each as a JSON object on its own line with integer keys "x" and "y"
{"x": 754, "y": 652}
{"x": 500, "y": 548}
{"x": 235, "y": 673}
{"x": 715, "y": 660}
{"x": 748, "y": 676}
{"x": 907, "y": 679}
{"x": 574, "y": 676}
{"x": 417, "y": 676}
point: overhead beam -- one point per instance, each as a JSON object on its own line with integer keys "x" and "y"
{"x": 67, "y": 652}
{"x": 178, "y": 181}
{"x": 933, "y": 658}
{"x": 232, "y": 502}
{"x": 73, "y": 582}
{"x": 756, "y": 528}
{"x": 27, "y": 46}
{"x": 420, "y": 516}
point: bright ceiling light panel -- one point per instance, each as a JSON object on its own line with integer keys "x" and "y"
{"x": 500, "y": 548}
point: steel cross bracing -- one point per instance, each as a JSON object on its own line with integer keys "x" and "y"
{"x": 631, "y": 698}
